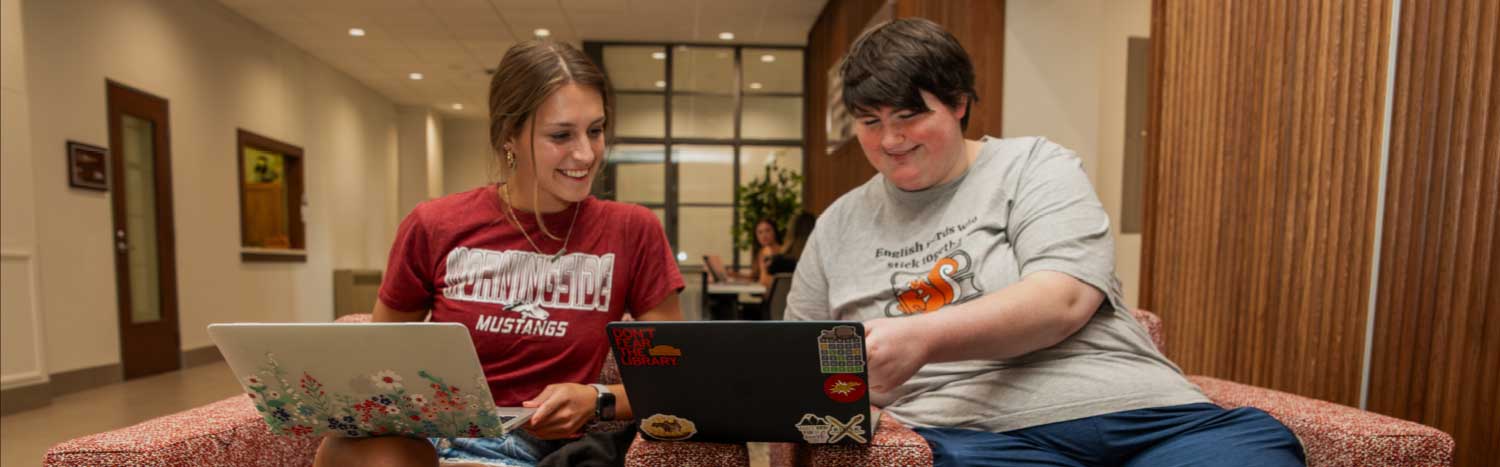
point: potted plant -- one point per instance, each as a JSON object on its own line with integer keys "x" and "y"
{"x": 775, "y": 195}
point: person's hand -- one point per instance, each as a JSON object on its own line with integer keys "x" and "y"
{"x": 561, "y": 410}
{"x": 895, "y": 349}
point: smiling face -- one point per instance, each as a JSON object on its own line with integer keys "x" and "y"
{"x": 765, "y": 234}
{"x": 559, "y": 151}
{"x": 915, "y": 149}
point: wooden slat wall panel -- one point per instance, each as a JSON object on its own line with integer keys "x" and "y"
{"x": 977, "y": 24}
{"x": 830, "y": 175}
{"x": 1263, "y": 164}
{"x": 1437, "y": 338}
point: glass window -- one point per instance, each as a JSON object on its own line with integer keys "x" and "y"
{"x": 636, "y": 68}
{"x": 638, "y": 174}
{"x": 640, "y": 116}
{"x": 755, "y": 159}
{"x": 705, "y": 174}
{"x": 703, "y": 117}
{"x": 726, "y": 105}
{"x": 772, "y": 71}
{"x": 706, "y": 231}
{"x": 703, "y": 70}
{"x": 772, "y": 118}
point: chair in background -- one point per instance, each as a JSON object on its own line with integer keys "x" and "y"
{"x": 773, "y": 306}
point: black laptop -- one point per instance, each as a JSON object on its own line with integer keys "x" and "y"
{"x": 738, "y": 381}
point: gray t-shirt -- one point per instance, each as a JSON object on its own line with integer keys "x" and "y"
{"x": 1023, "y": 206}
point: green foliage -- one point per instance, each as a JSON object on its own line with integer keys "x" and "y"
{"x": 776, "y": 194}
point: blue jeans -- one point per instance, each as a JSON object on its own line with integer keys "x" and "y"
{"x": 1183, "y": 435}
{"x": 517, "y": 449}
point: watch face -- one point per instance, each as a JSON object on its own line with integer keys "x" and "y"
{"x": 605, "y": 406}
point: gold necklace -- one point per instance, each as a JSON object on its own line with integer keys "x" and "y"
{"x": 510, "y": 215}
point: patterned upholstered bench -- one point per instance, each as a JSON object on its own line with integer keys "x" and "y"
{"x": 230, "y": 433}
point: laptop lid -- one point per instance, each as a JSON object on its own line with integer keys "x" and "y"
{"x": 715, "y": 266}
{"x": 736, "y": 381}
{"x": 365, "y": 379}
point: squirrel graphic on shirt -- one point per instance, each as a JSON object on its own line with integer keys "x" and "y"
{"x": 949, "y": 280}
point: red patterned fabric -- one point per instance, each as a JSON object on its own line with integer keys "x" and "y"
{"x": 1337, "y": 435}
{"x": 225, "y": 433}
{"x": 894, "y": 445}
{"x": 231, "y": 433}
{"x": 1152, "y": 323}
{"x": 648, "y": 453}
{"x": 355, "y": 318}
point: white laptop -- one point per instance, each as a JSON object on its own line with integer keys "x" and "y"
{"x": 365, "y": 379}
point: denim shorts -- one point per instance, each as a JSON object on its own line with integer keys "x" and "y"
{"x": 517, "y": 449}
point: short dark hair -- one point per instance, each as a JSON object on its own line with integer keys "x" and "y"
{"x": 890, "y": 64}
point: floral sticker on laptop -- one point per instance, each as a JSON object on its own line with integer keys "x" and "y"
{"x": 431, "y": 407}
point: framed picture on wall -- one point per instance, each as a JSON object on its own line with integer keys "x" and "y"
{"x": 88, "y": 166}
{"x": 271, "y": 199}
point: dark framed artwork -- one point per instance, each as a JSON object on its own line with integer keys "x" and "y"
{"x": 271, "y": 199}
{"x": 88, "y": 166}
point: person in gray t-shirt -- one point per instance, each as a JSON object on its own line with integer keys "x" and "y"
{"x": 984, "y": 274}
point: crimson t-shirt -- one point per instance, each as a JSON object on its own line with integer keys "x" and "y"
{"x": 534, "y": 320}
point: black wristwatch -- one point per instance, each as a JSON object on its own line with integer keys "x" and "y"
{"x": 604, "y": 406}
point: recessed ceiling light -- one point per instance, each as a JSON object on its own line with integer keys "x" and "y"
{"x": 659, "y": 55}
{"x": 728, "y": 36}
{"x": 356, "y": 32}
{"x": 458, "y": 106}
{"x": 542, "y": 32}
{"x": 661, "y": 84}
{"x": 768, "y": 58}
{"x": 415, "y": 76}
{"x": 755, "y": 86}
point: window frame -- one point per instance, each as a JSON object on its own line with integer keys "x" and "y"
{"x": 671, "y": 204}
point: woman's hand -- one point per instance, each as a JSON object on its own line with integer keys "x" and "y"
{"x": 561, "y": 410}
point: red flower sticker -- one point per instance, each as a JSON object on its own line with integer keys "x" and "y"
{"x": 844, "y": 388}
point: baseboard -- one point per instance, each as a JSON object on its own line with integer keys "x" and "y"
{"x": 69, "y": 382}
{"x": 25, "y": 398}
{"x": 37, "y": 395}
{"x": 201, "y": 356}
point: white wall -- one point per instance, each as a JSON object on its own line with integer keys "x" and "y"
{"x": 1126, "y": 19}
{"x": 219, "y": 72}
{"x": 468, "y": 160}
{"x": 1065, "y": 67}
{"x": 420, "y": 157}
{"x": 22, "y": 359}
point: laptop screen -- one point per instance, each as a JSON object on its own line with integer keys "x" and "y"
{"x": 737, "y": 381}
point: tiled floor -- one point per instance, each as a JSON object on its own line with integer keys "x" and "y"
{"x": 25, "y": 436}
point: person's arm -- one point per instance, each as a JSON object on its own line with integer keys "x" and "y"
{"x": 563, "y": 409}
{"x": 385, "y": 314}
{"x": 1038, "y": 312}
{"x": 808, "y": 298}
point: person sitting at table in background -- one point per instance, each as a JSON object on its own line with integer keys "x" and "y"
{"x": 983, "y": 271}
{"x": 796, "y": 241}
{"x": 768, "y": 244}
